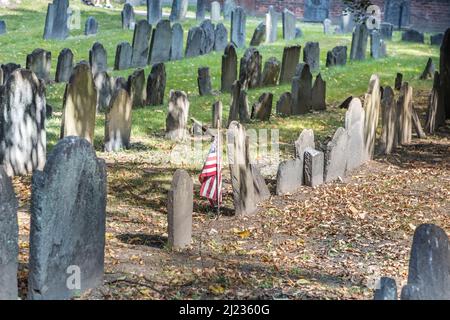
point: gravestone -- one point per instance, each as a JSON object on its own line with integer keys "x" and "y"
{"x": 154, "y": 11}
{"x": 387, "y": 290}
{"x": 313, "y": 167}
{"x": 289, "y": 21}
{"x": 337, "y": 56}
{"x": 156, "y": 85}
{"x": 195, "y": 42}
{"x": 428, "y": 72}
{"x": 200, "y": 13}
{"x": 238, "y": 27}
{"x": 68, "y": 217}
{"x": 215, "y": 11}
{"x": 118, "y": 121}
{"x": 124, "y": 53}
{"x": 177, "y": 117}
{"x": 2, "y": 27}
{"x": 179, "y": 10}
{"x": 271, "y": 25}
{"x": 243, "y": 106}
{"x": 79, "y": 106}
{"x": 311, "y": 55}
{"x": 228, "y": 7}
{"x": 372, "y": 105}
{"x": 250, "y": 69}
{"x": 204, "y": 81}
{"x": 161, "y": 43}
{"x": 327, "y": 26}
{"x": 375, "y": 45}
{"x": 305, "y": 140}
{"x": 444, "y": 93}
{"x": 209, "y": 30}
{"x": 359, "y": 42}
{"x": 429, "y": 265}
{"x": 389, "y": 121}
{"x": 413, "y": 36}
{"x": 8, "y": 69}
{"x": 416, "y": 123}
{"x": 104, "y": 84}
{"x": 289, "y": 176}
{"x": 23, "y": 139}
{"x": 436, "y": 39}
{"x": 284, "y": 104}
{"x": 65, "y": 65}
{"x": 336, "y": 156}
{"x": 220, "y": 37}
{"x": 319, "y": 94}
{"x": 271, "y": 72}
{"x": 291, "y": 57}
{"x": 435, "y": 112}
{"x": 141, "y": 44}
{"x": 217, "y": 109}
{"x": 128, "y": 18}
{"x": 56, "y": 26}
{"x": 98, "y": 58}
{"x": 229, "y": 68}
{"x": 354, "y": 125}
{"x": 91, "y": 26}
{"x": 404, "y": 114}
{"x": 316, "y": 10}
{"x": 397, "y": 12}
{"x": 138, "y": 90}
{"x": 234, "y": 113}
{"x": 386, "y": 30}
{"x": 301, "y": 90}
{"x": 179, "y": 210}
{"x": 398, "y": 81}
{"x": 9, "y": 241}
{"x": 176, "y": 49}
{"x": 40, "y": 62}
{"x": 262, "y": 109}
{"x": 347, "y": 21}
{"x": 258, "y": 35}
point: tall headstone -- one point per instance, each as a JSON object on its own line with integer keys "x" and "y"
{"x": 336, "y": 156}
{"x": 138, "y": 90}
{"x": 179, "y": 10}
{"x": 176, "y": 49}
{"x": 305, "y": 140}
{"x": 301, "y": 90}
{"x": 238, "y": 27}
{"x": 215, "y": 11}
{"x": 177, "y": 116}
{"x": 289, "y": 21}
{"x": 98, "y": 58}
{"x": 56, "y": 26}
{"x": 204, "y": 81}
{"x": 271, "y": 25}
{"x": 311, "y": 55}
{"x": 404, "y": 114}
{"x": 91, "y": 26}
{"x": 209, "y": 30}
{"x": 220, "y": 37}
{"x": 23, "y": 141}
{"x": 141, "y": 44}
{"x": 319, "y": 94}
{"x": 359, "y": 42}
{"x": 161, "y": 42}
{"x": 65, "y": 65}
{"x": 68, "y": 218}
{"x": 118, "y": 121}
{"x": 229, "y": 68}
{"x": 291, "y": 57}
{"x": 195, "y": 42}
{"x": 228, "y": 7}
{"x": 389, "y": 121}
{"x": 387, "y": 289}
{"x": 250, "y": 69}
{"x": 40, "y": 62}
{"x": 372, "y": 105}
{"x": 154, "y": 11}
{"x": 156, "y": 85}
{"x": 354, "y": 125}
{"x": 124, "y": 53}
{"x": 128, "y": 17}
{"x": 284, "y": 104}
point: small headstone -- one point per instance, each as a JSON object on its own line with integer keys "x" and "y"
{"x": 398, "y": 81}
{"x": 404, "y": 114}
{"x": 215, "y": 11}
{"x": 180, "y": 207}
{"x": 40, "y": 62}
{"x": 65, "y": 65}
{"x": 204, "y": 81}
{"x": 313, "y": 167}
{"x": 289, "y": 20}
{"x": 436, "y": 39}
{"x": 259, "y": 35}
{"x": 386, "y": 30}
{"x": 375, "y": 45}
{"x": 141, "y": 43}
{"x": 413, "y": 36}
{"x": 2, "y": 27}
{"x": 124, "y": 53}
{"x": 327, "y": 26}
{"x": 209, "y": 30}
{"x": 262, "y": 109}
{"x": 176, "y": 49}
{"x": 389, "y": 121}
{"x": 271, "y": 25}
{"x": 128, "y": 18}
{"x": 291, "y": 57}
{"x": 177, "y": 117}
{"x": 359, "y": 42}
{"x": 200, "y": 13}
{"x": 179, "y": 10}
{"x": 229, "y": 68}
{"x": 372, "y": 106}
{"x": 289, "y": 176}
{"x": 336, "y": 156}
{"x": 154, "y": 11}
{"x": 68, "y": 218}
{"x": 156, "y": 85}
{"x": 161, "y": 43}
{"x": 56, "y": 21}
{"x": 271, "y": 72}
{"x": 250, "y": 69}
{"x": 305, "y": 140}
{"x": 311, "y": 55}
{"x": 337, "y": 56}
{"x": 195, "y": 42}
{"x": 284, "y": 105}
{"x": 428, "y": 73}
{"x": 104, "y": 83}
{"x": 301, "y": 90}
{"x": 8, "y": 69}
{"x": 238, "y": 27}
{"x": 217, "y": 108}
{"x": 354, "y": 125}
{"x": 387, "y": 289}
{"x": 98, "y": 58}
{"x": 91, "y": 26}
{"x": 118, "y": 122}
{"x": 220, "y": 37}
{"x": 138, "y": 90}
{"x": 319, "y": 94}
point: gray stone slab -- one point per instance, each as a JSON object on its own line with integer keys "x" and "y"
{"x": 304, "y": 141}
{"x": 177, "y": 116}
{"x": 336, "y": 156}
{"x": 154, "y": 11}
{"x": 284, "y": 104}
{"x": 204, "y": 81}
{"x": 301, "y": 90}
{"x": 124, "y": 54}
{"x": 141, "y": 43}
{"x": 176, "y": 50}
{"x": 195, "y": 42}
{"x": 387, "y": 289}
{"x": 104, "y": 84}
{"x": 354, "y": 125}
{"x": 91, "y": 26}
{"x": 220, "y": 37}
{"x": 229, "y": 68}
{"x": 40, "y": 62}
{"x": 64, "y": 67}
{"x": 289, "y": 176}
{"x": 56, "y": 21}
{"x": 359, "y": 42}
{"x": 262, "y": 109}
{"x": 258, "y": 35}
{"x": 238, "y": 27}
{"x": 313, "y": 167}
{"x": 128, "y": 17}
{"x": 161, "y": 42}
{"x": 98, "y": 58}
{"x": 250, "y": 69}
{"x": 289, "y": 21}
{"x": 179, "y": 10}
{"x": 319, "y": 94}
{"x": 311, "y": 55}
{"x": 291, "y": 58}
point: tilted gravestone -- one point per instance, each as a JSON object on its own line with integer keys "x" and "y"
{"x": 128, "y": 17}
{"x": 404, "y": 114}
{"x": 98, "y": 58}
{"x": 229, "y": 68}
{"x": 204, "y": 81}
{"x": 138, "y": 90}
{"x": 8, "y": 69}
{"x": 428, "y": 72}
{"x": 250, "y": 69}
{"x": 177, "y": 116}
{"x": 68, "y": 218}
{"x": 200, "y": 13}
{"x": 9, "y": 240}
{"x": 262, "y": 109}
{"x": 161, "y": 43}
{"x": 56, "y": 26}
{"x": 386, "y": 30}
{"x": 271, "y": 72}
{"x": 40, "y": 62}
{"x": 176, "y": 49}
{"x": 79, "y": 106}
{"x": 91, "y": 26}
{"x": 118, "y": 122}
{"x": 179, "y": 210}
{"x": 311, "y": 55}
{"x": 156, "y": 85}
{"x": 291, "y": 57}
{"x": 336, "y": 156}
{"x": 238, "y": 27}
{"x": 413, "y": 36}
{"x": 316, "y": 11}
{"x": 289, "y": 176}
{"x": 179, "y": 10}
{"x": 65, "y": 65}
{"x": 429, "y": 265}
{"x": 104, "y": 84}
{"x": 289, "y": 21}
{"x": 215, "y": 11}
{"x": 313, "y": 167}
{"x": 436, "y": 39}
{"x": 354, "y": 125}
{"x": 195, "y": 42}
{"x": 217, "y": 109}
{"x": 154, "y": 11}
{"x": 220, "y": 37}
{"x": 258, "y": 35}
{"x": 23, "y": 141}
{"x": 359, "y": 42}
{"x": 301, "y": 90}
{"x": 271, "y": 25}
{"x": 444, "y": 93}
{"x": 209, "y": 29}
{"x": 284, "y": 104}
{"x": 305, "y": 140}
{"x": 319, "y": 94}
{"x": 372, "y": 105}
{"x": 141, "y": 43}
{"x": 124, "y": 53}
{"x": 337, "y": 56}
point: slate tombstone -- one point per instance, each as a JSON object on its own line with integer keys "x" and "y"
{"x": 404, "y": 114}
{"x": 359, "y": 42}
{"x": 215, "y": 11}
{"x": 238, "y": 27}
{"x": 128, "y": 17}
{"x": 444, "y": 92}
{"x": 8, "y": 69}
{"x": 204, "y": 81}
{"x": 327, "y": 26}
{"x": 136, "y": 85}
{"x": 200, "y": 13}
{"x": 250, "y": 69}
{"x": 176, "y": 49}
{"x": 91, "y": 26}
{"x": 387, "y": 289}
{"x": 195, "y": 42}
{"x": 436, "y": 39}
{"x": 375, "y": 45}
{"x": 229, "y": 68}
{"x": 336, "y": 156}
{"x": 319, "y": 94}
{"x": 386, "y": 30}
{"x": 372, "y": 105}
{"x": 337, "y": 56}
{"x": 289, "y": 176}
{"x": 104, "y": 84}
{"x": 2, "y": 27}
{"x": 161, "y": 42}
{"x": 301, "y": 90}
{"x": 291, "y": 57}
{"x": 271, "y": 25}
{"x": 79, "y": 106}
{"x": 22, "y": 131}
{"x": 271, "y": 72}
{"x": 65, "y": 65}
{"x": 413, "y": 36}
{"x": 68, "y": 217}
{"x": 220, "y": 37}
{"x": 313, "y": 167}
{"x": 289, "y": 20}
{"x": 124, "y": 53}
{"x": 311, "y": 55}
{"x": 98, "y": 58}
{"x": 354, "y": 125}
{"x": 217, "y": 109}
{"x": 154, "y": 11}
{"x": 141, "y": 40}
{"x": 258, "y": 35}
{"x": 40, "y": 62}
{"x": 262, "y": 109}
{"x": 9, "y": 240}
{"x": 118, "y": 121}
{"x": 428, "y": 72}
{"x": 56, "y": 26}
{"x": 389, "y": 121}
{"x": 179, "y": 10}
{"x": 177, "y": 117}
{"x": 209, "y": 30}
{"x": 156, "y": 85}
{"x": 284, "y": 104}
{"x": 180, "y": 207}
{"x": 305, "y": 140}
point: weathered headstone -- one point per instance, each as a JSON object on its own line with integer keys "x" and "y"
{"x": 375, "y": 45}
{"x": 319, "y": 94}
{"x": 229, "y": 68}
{"x": 398, "y": 81}
{"x": 209, "y": 29}
{"x": 289, "y": 176}
{"x": 124, "y": 53}
{"x": 220, "y": 37}
{"x": 435, "y": 112}
{"x": 386, "y": 30}
{"x": 404, "y": 114}
{"x": 23, "y": 141}
{"x": 98, "y": 58}
{"x": 301, "y": 90}
{"x": 156, "y": 85}
{"x": 313, "y": 167}
{"x": 217, "y": 109}
{"x": 250, "y": 69}
{"x": 79, "y": 106}
{"x": 336, "y": 156}
{"x": 271, "y": 72}
{"x": 177, "y": 117}
{"x": 118, "y": 121}
{"x": 289, "y": 21}
{"x": 354, "y": 125}
{"x": 9, "y": 240}
{"x": 215, "y": 11}
{"x": 8, "y": 69}
{"x": 243, "y": 106}
{"x": 372, "y": 105}
{"x": 128, "y": 18}
{"x": 327, "y": 26}
{"x": 138, "y": 90}
{"x": 176, "y": 49}
{"x": 56, "y": 26}
{"x": 236, "y": 89}
{"x": 428, "y": 72}
{"x": 311, "y": 55}
{"x": 337, "y": 56}
{"x": 359, "y": 42}
{"x": 179, "y": 10}
{"x": 258, "y": 35}
{"x": 305, "y": 140}
{"x": 141, "y": 43}
{"x": 271, "y": 25}
{"x": 195, "y": 42}
{"x": 284, "y": 104}
{"x": 180, "y": 207}
{"x": 154, "y": 11}
{"x": 436, "y": 39}
{"x": 291, "y": 57}
{"x": 238, "y": 27}
{"x": 40, "y": 62}
{"x": 200, "y": 13}
{"x": 104, "y": 84}
{"x": 389, "y": 121}
{"x": 161, "y": 43}
{"x": 387, "y": 289}
{"x": 68, "y": 217}
{"x": 204, "y": 81}
{"x": 65, "y": 65}
{"x": 413, "y": 36}
{"x": 262, "y": 109}
{"x": 91, "y": 26}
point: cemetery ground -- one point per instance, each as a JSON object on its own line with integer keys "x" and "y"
{"x": 330, "y": 242}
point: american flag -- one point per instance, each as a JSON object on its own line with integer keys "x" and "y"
{"x": 209, "y": 176}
